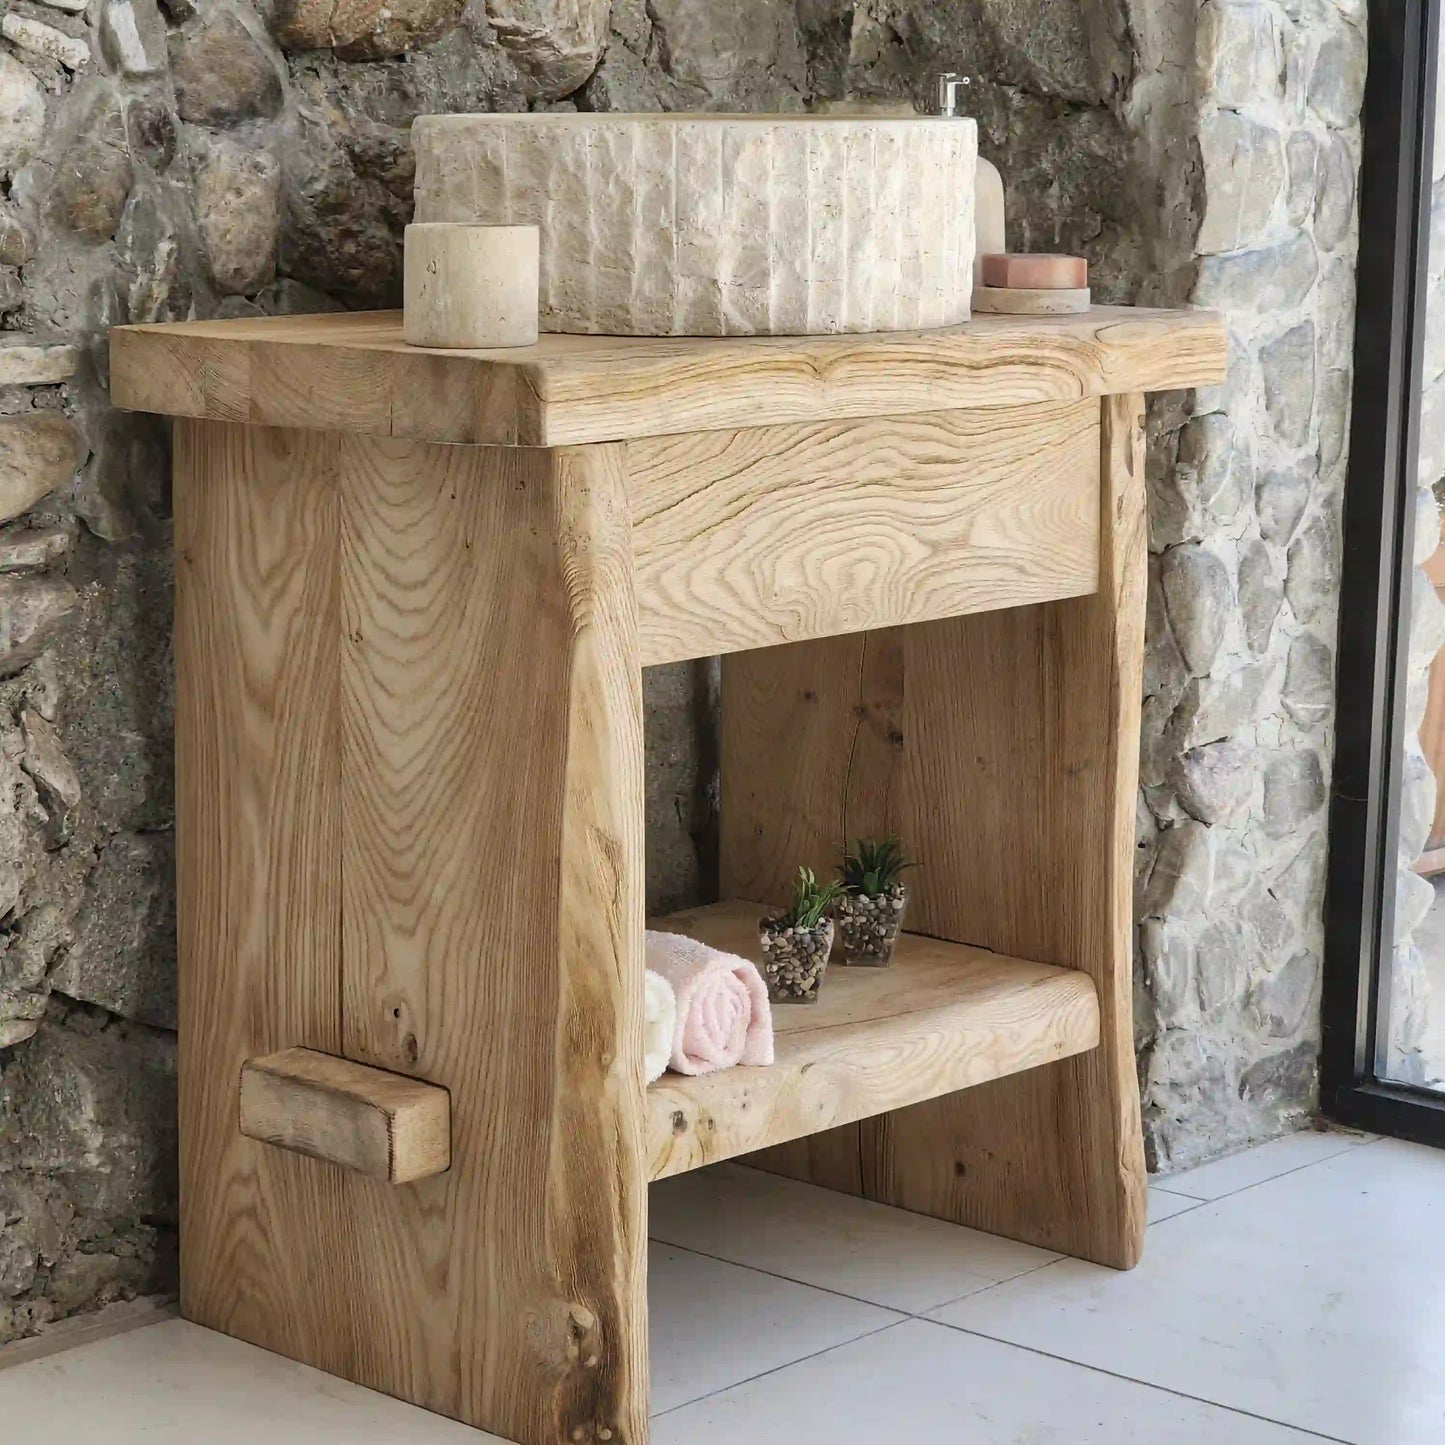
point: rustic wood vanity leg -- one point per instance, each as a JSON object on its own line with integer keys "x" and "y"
{"x": 409, "y": 738}
{"x": 1015, "y": 780}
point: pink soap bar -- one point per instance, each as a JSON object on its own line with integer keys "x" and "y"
{"x": 1035, "y": 273}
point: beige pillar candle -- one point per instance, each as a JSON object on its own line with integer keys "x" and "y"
{"x": 470, "y": 286}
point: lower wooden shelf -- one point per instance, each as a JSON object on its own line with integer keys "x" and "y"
{"x": 944, "y": 1016}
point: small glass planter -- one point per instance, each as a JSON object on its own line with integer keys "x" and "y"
{"x": 795, "y": 959}
{"x": 869, "y": 925}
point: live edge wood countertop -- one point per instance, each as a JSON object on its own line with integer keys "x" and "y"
{"x": 353, "y": 372}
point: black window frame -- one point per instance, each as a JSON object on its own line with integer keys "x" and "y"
{"x": 1377, "y": 561}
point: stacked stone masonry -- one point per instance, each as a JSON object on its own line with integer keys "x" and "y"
{"x": 230, "y": 159}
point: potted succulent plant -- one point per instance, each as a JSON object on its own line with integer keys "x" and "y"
{"x": 871, "y": 900}
{"x": 796, "y": 944}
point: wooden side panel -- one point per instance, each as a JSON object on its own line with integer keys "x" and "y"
{"x": 1018, "y": 777}
{"x": 492, "y": 918}
{"x": 258, "y": 829}
{"x": 746, "y": 539}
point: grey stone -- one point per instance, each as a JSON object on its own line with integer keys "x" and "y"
{"x": 555, "y": 43}
{"x": 1214, "y": 782}
{"x": 1337, "y": 82}
{"x": 1269, "y": 280}
{"x": 1291, "y": 1075}
{"x": 1208, "y": 488}
{"x": 1217, "y": 707}
{"x": 133, "y": 37}
{"x": 38, "y": 452}
{"x": 1294, "y": 790}
{"x": 17, "y": 240}
{"x": 1261, "y": 591}
{"x": 1335, "y": 207}
{"x": 94, "y": 176}
{"x": 33, "y": 610}
{"x": 35, "y": 360}
{"x": 1312, "y": 582}
{"x": 1167, "y": 949}
{"x": 124, "y": 953}
{"x": 1302, "y": 155}
{"x": 1199, "y": 599}
{"x": 1309, "y": 681}
{"x": 337, "y": 228}
{"x": 1280, "y": 500}
{"x": 745, "y": 56}
{"x": 1222, "y": 961}
{"x": 1182, "y": 877}
{"x": 46, "y": 35}
{"x": 1287, "y": 365}
{"x": 238, "y": 213}
{"x": 56, "y": 780}
{"x": 1336, "y": 313}
{"x": 96, "y": 1107}
{"x": 1302, "y": 879}
{"x": 1334, "y": 414}
{"x": 22, "y": 114}
{"x": 222, "y": 74}
{"x": 1280, "y": 998}
{"x": 1237, "y": 53}
{"x": 1243, "y": 175}
{"x": 151, "y": 265}
{"x": 364, "y": 29}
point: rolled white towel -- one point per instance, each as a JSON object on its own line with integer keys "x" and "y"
{"x": 723, "y": 1015}
{"x": 659, "y": 1022}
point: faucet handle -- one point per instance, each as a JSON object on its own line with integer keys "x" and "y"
{"x": 950, "y": 86}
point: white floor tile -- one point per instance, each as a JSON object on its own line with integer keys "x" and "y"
{"x": 714, "y": 1324}
{"x": 905, "y": 1261}
{"x": 177, "y": 1384}
{"x": 919, "y": 1383}
{"x": 1262, "y": 1162}
{"x": 1317, "y": 1298}
{"x": 1165, "y": 1205}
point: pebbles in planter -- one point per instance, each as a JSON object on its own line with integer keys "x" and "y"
{"x": 871, "y": 900}
{"x": 794, "y": 959}
{"x": 869, "y": 924}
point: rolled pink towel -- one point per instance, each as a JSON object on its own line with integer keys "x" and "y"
{"x": 723, "y": 1016}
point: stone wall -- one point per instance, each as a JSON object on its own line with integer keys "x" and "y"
{"x": 1245, "y": 532}
{"x": 230, "y": 159}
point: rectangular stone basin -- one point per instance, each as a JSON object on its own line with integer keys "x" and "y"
{"x": 720, "y": 225}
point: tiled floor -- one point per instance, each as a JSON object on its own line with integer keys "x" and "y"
{"x": 1293, "y": 1293}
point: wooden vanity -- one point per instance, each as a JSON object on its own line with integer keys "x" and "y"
{"x": 415, "y": 594}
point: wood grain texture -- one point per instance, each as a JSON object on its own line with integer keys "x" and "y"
{"x": 943, "y": 1017}
{"x": 492, "y": 924}
{"x": 810, "y": 746}
{"x": 258, "y": 833}
{"x": 746, "y": 539}
{"x": 410, "y": 770}
{"x": 373, "y": 1122}
{"x": 356, "y": 373}
{"x": 1019, "y": 798}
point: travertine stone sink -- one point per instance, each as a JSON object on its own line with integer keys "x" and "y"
{"x": 709, "y": 225}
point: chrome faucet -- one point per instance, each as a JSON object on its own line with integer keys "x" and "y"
{"x": 950, "y": 86}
